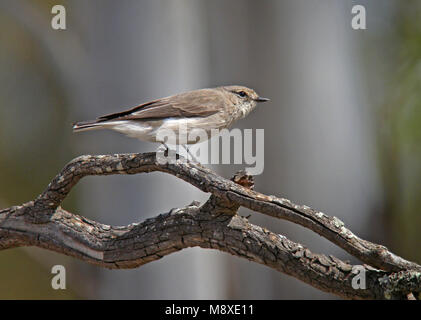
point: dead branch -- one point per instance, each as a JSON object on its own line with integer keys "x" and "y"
{"x": 215, "y": 224}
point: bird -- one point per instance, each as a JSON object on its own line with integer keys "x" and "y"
{"x": 204, "y": 109}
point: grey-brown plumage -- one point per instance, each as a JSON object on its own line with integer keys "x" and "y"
{"x": 206, "y": 109}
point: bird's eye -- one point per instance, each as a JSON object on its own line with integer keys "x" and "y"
{"x": 242, "y": 94}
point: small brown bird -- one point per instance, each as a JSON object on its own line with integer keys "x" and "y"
{"x": 205, "y": 109}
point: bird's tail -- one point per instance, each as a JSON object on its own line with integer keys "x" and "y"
{"x": 87, "y": 125}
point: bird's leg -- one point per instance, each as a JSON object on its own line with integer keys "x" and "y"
{"x": 166, "y": 148}
{"x": 167, "y": 151}
{"x": 189, "y": 153}
{"x": 164, "y": 155}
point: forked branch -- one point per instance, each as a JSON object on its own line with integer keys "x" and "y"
{"x": 215, "y": 224}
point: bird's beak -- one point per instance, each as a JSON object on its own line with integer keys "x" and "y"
{"x": 261, "y": 99}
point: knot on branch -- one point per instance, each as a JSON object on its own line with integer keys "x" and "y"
{"x": 244, "y": 179}
{"x": 222, "y": 205}
{"x": 39, "y": 211}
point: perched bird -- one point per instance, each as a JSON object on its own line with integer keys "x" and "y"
{"x": 204, "y": 109}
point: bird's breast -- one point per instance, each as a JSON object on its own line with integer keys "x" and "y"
{"x": 243, "y": 110}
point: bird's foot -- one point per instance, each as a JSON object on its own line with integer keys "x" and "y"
{"x": 190, "y": 154}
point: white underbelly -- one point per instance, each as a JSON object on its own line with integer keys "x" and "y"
{"x": 171, "y": 131}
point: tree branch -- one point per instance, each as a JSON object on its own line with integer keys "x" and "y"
{"x": 215, "y": 225}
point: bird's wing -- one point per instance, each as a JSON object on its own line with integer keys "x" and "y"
{"x": 199, "y": 103}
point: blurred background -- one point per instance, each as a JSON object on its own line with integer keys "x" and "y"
{"x": 342, "y": 130}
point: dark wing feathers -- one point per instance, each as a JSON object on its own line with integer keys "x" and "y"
{"x": 127, "y": 112}
{"x": 199, "y": 103}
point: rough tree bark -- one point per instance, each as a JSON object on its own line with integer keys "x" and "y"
{"x": 215, "y": 225}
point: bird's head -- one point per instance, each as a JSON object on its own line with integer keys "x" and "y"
{"x": 244, "y": 97}
{"x": 241, "y": 93}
